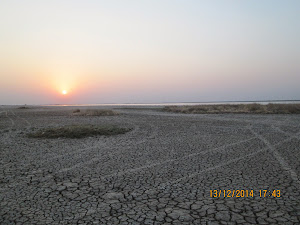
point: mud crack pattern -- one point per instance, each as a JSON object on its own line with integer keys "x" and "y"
{"x": 159, "y": 173}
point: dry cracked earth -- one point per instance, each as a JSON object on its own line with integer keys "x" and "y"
{"x": 161, "y": 172}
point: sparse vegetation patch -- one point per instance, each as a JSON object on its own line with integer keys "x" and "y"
{"x": 238, "y": 108}
{"x": 94, "y": 112}
{"x": 78, "y": 131}
{"x": 76, "y": 111}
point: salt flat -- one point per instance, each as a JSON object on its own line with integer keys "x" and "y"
{"x": 161, "y": 172}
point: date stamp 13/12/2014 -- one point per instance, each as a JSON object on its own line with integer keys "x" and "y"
{"x": 244, "y": 193}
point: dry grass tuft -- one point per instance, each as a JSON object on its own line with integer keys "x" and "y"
{"x": 78, "y": 131}
{"x": 95, "y": 112}
{"x": 238, "y": 108}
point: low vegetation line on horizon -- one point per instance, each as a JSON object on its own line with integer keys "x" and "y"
{"x": 236, "y": 108}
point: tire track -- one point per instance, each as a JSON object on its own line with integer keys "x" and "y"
{"x": 223, "y": 164}
{"x": 153, "y": 135}
{"x": 28, "y": 123}
{"x": 215, "y": 167}
{"x": 217, "y": 117}
{"x": 163, "y": 185}
{"x": 78, "y": 151}
{"x": 278, "y": 157}
{"x": 159, "y": 163}
{"x": 11, "y": 120}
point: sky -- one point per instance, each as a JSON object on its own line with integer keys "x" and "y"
{"x": 148, "y": 51}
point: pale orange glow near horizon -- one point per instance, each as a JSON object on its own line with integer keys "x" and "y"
{"x": 148, "y": 52}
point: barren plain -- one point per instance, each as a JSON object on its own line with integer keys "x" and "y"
{"x": 163, "y": 171}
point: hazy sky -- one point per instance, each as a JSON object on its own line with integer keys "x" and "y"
{"x": 148, "y": 51}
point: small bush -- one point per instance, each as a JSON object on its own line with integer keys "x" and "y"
{"x": 23, "y": 107}
{"x": 76, "y": 111}
{"x": 77, "y": 131}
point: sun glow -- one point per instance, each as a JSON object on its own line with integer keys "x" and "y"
{"x": 64, "y": 92}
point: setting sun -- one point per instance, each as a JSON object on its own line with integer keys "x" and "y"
{"x": 64, "y": 92}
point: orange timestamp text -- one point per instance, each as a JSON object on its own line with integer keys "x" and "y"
{"x": 244, "y": 193}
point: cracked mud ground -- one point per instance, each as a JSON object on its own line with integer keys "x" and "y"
{"x": 161, "y": 172}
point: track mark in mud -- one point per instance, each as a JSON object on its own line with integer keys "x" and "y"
{"x": 277, "y": 155}
{"x": 28, "y": 123}
{"x": 159, "y": 163}
{"x": 11, "y": 120}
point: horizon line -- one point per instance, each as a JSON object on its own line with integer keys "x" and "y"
{"x": 155, "y": 103}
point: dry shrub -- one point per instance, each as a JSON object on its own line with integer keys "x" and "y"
{"x": 76, "y": 111}
{"x": 284, "y": 108}
{"x": 237, "y": 108}
{"x": 255, "y": 108}
{"x": 95, "y": 112}
{"x": 78, "y": 131}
